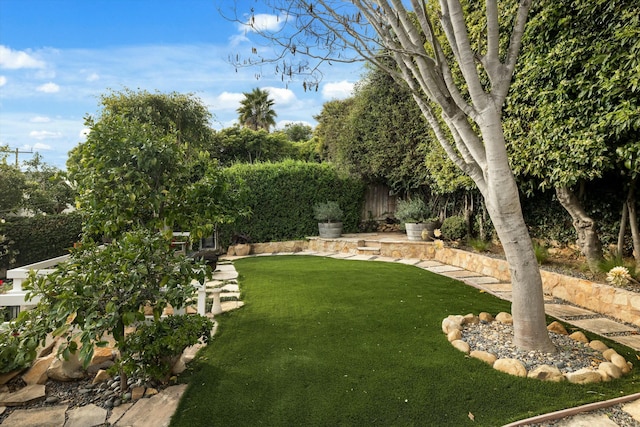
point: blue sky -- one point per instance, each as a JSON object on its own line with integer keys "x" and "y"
{"x": 58, "y": 56}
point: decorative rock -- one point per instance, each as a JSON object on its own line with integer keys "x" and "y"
{"x": 608, "y": 353}
{"x": 101, "y": 355}
{"x": 485, "y": 356}
{"x": 137, "y": 393}
{"x": 621, "y": 363}
{"x": 23, "y": 396}
{"x": 609, "y": 370}
{"x": 546, "y": 373}
{"x": 579, "y": 336}
{"x": 471, "y": 319}
{"x": 557, "y": 327}
{"x": 452, "y": 322}
{"x": 66, "y": 370}
{"x": 486, "y": 317}
{"x": 150, "y": 392}
{"x": 37, "y": 374}
{"x": 5, "y": 378}
{"x": 505, "y": 318}
{"x": 49, "y": 416}
{"x": 584, "y": 376}
{"x": 461, "y": 345}
{"x": 456, "y": 334}
{"x": 101, "y": 376}
{"x": 598, "y": 345}
{"x": 90, "y": 415}
{"x": 510, "y": 366}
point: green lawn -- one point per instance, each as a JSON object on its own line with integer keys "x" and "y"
{"x": 325, "y": 342}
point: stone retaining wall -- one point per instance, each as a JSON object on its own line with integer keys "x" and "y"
{"x": 608, "y": 300}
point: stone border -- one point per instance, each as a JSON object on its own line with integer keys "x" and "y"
{"x": 614, "y": 367}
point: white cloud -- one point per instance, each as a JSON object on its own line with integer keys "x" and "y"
{"x": 44, "y": 134}
{"x": 93, "y": 77}
{"x": 263, "y": 22}
{"x": 3, "y": 81}
{"x": 40, "y": 146}
{"x": 281, "y": 96}
{"x": 227, "y": 101}
{"x": 40, "y": 119}
{"x": 13, "y": 59}
{"x": 84, "y": 133}
{"x": 337, "y": 90}
{"x": 49, "y": 88}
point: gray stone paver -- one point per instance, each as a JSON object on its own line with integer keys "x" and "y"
{"x": 483, "y": 280}
{"x": 429, "y": 263}
{"x": 409, "y": 261}
{"x": 462, "y": 274}
{"x": 48, "y": 416}
{"x": 86, "y": 416}
{"x": 588, "y": 420}
{"x": 224, "y": 275}
{"x": 632, "y": 341}
{"x": 633, "y": 409}
{"x": 495, "y": 287}
{"x": 443, "y": 268}
{"x": 602, "y": 326}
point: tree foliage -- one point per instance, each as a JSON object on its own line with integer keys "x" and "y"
{"x": 256, "y": 110}
{"x": 241, "y": 144}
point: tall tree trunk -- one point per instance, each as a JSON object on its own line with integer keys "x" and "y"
{"x": 623, "y": 228}
{"x": 588, "y": 240}
{"x": 633, "y": 222}
{"x": 503, "y": 204}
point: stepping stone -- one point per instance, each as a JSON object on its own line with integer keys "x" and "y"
{"x": 230, "y": 305}
{"x": 341, "y": 255}
{"x": 484, "y": 280}
{"x": 90, "y": 415}
{"x": 443, "y": 269}
{"x": 155, "y": 411}
{"x": 47, "y": 416}
{"x": 632, "y": 341}
{"x": 363, "y": 257}
{"x": 410, "y": 261}
{"x": 633, "y": 409}
{"x": 230, "y": 295}
{"x": 563, "y": 310}
{"x": 602, "y": 326}
{"x": 214, "y": 283}
{"x": 496, "y": 287}
{"x": 118, "y": 412}
{"x": 429, "y": 263}
{"x": 224, "y": 275}
{"x": 231, "y": 288}
{"x": 461, "y": 274}
{"x": 588, "y": 420}
{"x": 23, "y": 396}
{"x": 226, "y": 267}
{"x": 385, "y": 259}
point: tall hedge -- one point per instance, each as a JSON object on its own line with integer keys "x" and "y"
{"x": 41, "y": 237}
{"x": 281, "y": 197}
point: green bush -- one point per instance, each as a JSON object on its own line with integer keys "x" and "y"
{"x": 327, "y": 211}
{"x": 281, "y": 197}
{"x": 454, "y": 228}
{"x": 412, "y": 210}
{"x": 541, "y": 251}
{"x": 41, "y": 237}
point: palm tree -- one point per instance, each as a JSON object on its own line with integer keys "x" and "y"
{"x": 256, "y": 110}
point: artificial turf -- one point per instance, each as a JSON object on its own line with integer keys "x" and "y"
{"x": 326, "y": 342}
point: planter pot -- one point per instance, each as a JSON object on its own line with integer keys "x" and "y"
{"x": 330, "y": 230}
{"x": 242, "y": 250}
{"x": 414, "y": 230}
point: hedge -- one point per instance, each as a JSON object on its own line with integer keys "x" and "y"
{"x": 281, "y": 197}
{"x": 41, "y": 237}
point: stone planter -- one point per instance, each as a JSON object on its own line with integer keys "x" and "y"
{"x": 330, "y": 230}
{"x": 242, "y": 249}
{"x": 414, "y": 230}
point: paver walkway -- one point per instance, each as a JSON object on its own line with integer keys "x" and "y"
{"x": 157, "y": 411}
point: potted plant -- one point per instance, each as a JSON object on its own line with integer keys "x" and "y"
{"x": 241, "y": 244}
{"x": 414, "y": 214}
{"x": 329, "y": 216}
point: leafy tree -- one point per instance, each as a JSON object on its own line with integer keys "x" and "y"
{"x": 133, "y": 173}
{"x": 466, "y": 118}
{"x": 47, "y": 189}
{"x": 241, "y": 144}
{"x": 573, "y": 107}
{"x": 256, "y": 110}
{"x": 298, "y": 132}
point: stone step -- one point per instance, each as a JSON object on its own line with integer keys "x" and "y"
{"x": 366, "y": 250}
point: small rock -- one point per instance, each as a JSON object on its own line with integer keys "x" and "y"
{"x": 471, "y": 319}
{"x": 609, "y": 370}
{"x": 452, "y": 322}
{"x": 485, "y": 356}
{"x": 579, "y": 336}
{"x": 137, "y": 393}
{"x": 461, "y": 345}
{"x": 510, "y": 366}
{"x": 505, "y": 318}
{"x": 151, "y": 392}
{"x": 51, "y": 400}
{"x": 546, "y": 373}
{"x": 456, "y": 334}
{"x": 101, "y": 377}
{"x": 66, "y": 370}
{"x": 557, "y": 327}
{"x": 598, "y": 345}
{"x": 485, "y": 317}
{"x": 584, "y": 376}
{"x": 621, "y": 363}
{"x": 608, "y": 353}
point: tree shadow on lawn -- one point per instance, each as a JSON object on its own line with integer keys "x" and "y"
{"x": 336, "y": 342}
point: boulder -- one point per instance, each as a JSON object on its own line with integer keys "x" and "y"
{"x": 456, "y": 334}
{"x": 66, "y": 370}
{"x": 505, "y": 318}
{"x": 608, "y": 353}
{"x": 546, "y": 373}
{"x": 101, "y": 355}
{"x": 471, "y": 319}
{"x": 598, "y": 345}
{"x": 608, "y": 371}
{"x": 485, "y": 356}
{"x": 486, "y": 317}
{"x": 584, "y": 376}
{"x": 461, "y": 345}
{"x": 621, "y": 363}
{"x": 37, "y": 374}
{"x": 510, "y": 366}
{"x": 452, "y": 322}
{"x": 137, "y": 393}
{"x": 579, "y": 336}
{"x": 558, "y": 328}
{"x": 101, "y": 376}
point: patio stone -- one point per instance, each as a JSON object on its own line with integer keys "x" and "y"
{"x": 563, "y": 310}
{"x": 602, "y": 326}
{"x": 443, "y": 268}
{"x": 483, "y": 280}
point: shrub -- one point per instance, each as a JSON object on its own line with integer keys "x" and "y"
{"x": 541, "y": 251}
{"x": 327, "y": 211}
{"x": 479, "y": 245}
{"x": 454, "y": 228}
{"x": 412, "y": 210}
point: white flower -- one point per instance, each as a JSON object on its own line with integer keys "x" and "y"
{"x": 439, "y": 244}
{"x": 618, "y": 276}
{"x": 437, "y": 232}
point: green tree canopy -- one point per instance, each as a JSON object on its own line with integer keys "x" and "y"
{"x": 256, "y": 110}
